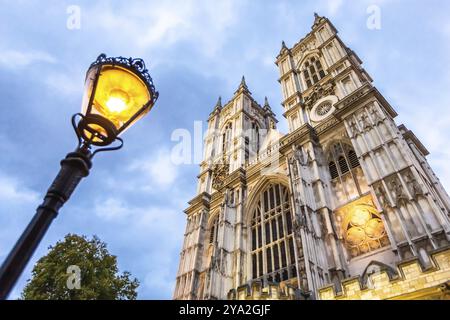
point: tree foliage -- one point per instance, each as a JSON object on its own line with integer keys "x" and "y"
{"x": 99, "y": 275}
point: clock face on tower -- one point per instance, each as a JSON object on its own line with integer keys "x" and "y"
{"x": 323, "y": 108}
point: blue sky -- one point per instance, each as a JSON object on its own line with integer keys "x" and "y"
{"x": 196, "y": 50}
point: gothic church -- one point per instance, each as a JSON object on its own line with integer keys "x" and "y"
{"x": 343, "y": 206}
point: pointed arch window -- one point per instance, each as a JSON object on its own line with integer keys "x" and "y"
{"x": 343, "y": 165}
{"x": 342, "y": 159}
{"x": 255, "y": 137}
{"x": 272, "y": 242}
{"x": 226, "y": 137}
{"x": 333, "y": 170}
{"x": 312, "y": 71}
{"x": 353, "y": 159}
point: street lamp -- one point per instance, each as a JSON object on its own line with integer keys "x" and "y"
{"x": 118, "y": 92}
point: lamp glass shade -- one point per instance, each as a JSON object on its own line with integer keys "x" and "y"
{"x": 119, "y": 95}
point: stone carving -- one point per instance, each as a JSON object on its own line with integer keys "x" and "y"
{"x": 299, "y": 222}
{"x": 230, "y": 198}
{"x": 376, "y": 117}
{"x": 299, "y": 155}
{"x": 413, "y": 185}
{"x": 294, "y": 168}
{"x": 220, "y": 172}
{"x": 397, "y": 188}
{"x": 365, "y": 122}
{"x": 354, "y": 131}
{"x": 319, "y": 91}
{"x": 325, "y": 125}
{"x": 217, "y": 264}
{"x": 382, "y": 197}
{"x": 272, "y": 124}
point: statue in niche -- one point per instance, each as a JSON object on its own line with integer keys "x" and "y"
{"x": 299, "y": 220}
{"x": 309, "y": 158}
{"x": 354, "y": 131}
{"x": 229, "y": 198}
{"x": 413, "y": 185}
{"x": 400, "y": 197}
{"x": 365, "y": 121}
{"x": 294, "y": 168}
{"x": 217, "y": 264}
{"x": 272, "y": 124}
{"x": 375, "y": 114}
{"x": 299, "y": 155}
{"x": 304, "y": 282}
{"x": 382, "y": 197}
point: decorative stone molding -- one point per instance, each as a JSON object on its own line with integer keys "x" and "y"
{"x": 318, "y": 92}
{"x": 410, "y": 281}
{"x": 272, "y": 291}
{"x": 220, "y": 173}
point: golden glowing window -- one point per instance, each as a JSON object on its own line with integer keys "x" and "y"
{"x": 361, "y": 227}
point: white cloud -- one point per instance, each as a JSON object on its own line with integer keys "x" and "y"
{"x": 159, "y": 171}
{"x": 64, "y": 84}
{"x": 12, "y": 191}
{"x": 17, "y": 202}
{"x": 111, "y": 209}
{"x": 334, "y": 6}
{"x": 164, "y": 23}
{"x": 13, "y": 59}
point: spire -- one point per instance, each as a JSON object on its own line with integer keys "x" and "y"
{"x": 217, "y": 108}
{"x": 219, "y": 103}
{"x": 266, "y": 104}
{"x": 283, "y": 48}
{"x": 242, "y": 86}
{"x": 317, "y": 20}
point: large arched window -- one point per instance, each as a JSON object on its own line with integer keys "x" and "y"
{"x": 312, "y": 71}
{"x": 272, "y": 243}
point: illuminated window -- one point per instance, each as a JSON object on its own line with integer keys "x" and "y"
{"x": 272, "y": 243}
{"x": 362, "y": 227}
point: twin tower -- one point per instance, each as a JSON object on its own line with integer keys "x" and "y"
{"x": 346, "y": 195}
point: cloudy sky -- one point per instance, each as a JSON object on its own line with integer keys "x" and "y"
{"x": 196, "y": 50}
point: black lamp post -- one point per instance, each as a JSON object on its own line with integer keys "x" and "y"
{"x": 118, "y": 92}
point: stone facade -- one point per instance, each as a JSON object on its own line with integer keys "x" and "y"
{"x": 410, "y": 281}
{"x": 346, "y": 192}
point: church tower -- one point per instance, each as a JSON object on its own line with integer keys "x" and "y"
{"x": 344, "y": 193}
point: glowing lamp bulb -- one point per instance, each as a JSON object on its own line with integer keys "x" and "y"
{"x": 117, "y": 101}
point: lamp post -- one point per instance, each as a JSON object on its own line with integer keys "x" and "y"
{"x": 118, "y": 92}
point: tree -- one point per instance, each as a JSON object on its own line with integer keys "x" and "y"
{"x": 55, "y": 276}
